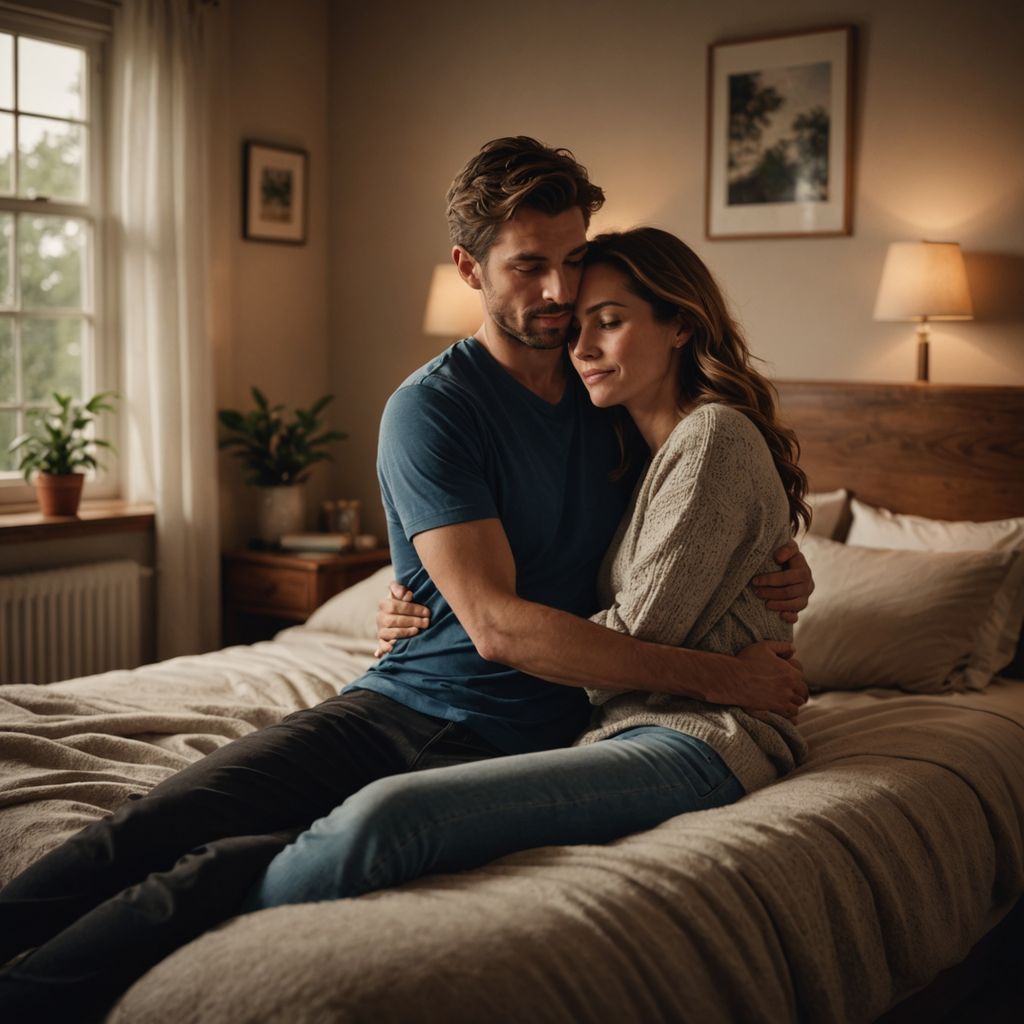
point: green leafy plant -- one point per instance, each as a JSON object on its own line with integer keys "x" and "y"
{"x": 277, "y": 453}
{"x": 56, "y": 443}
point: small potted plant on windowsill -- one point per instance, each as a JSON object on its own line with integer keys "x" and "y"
{"x": 57, "y": 450}
{"x": 278, "y": 456}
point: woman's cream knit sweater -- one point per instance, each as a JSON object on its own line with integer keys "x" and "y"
{"x": 704, "y": 520}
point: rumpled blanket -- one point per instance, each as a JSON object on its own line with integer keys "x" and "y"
{"x": 827, "y": 896}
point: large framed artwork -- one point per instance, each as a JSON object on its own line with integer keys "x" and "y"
{"x": 780, "y": 130}
{"x": 273, "y": 193}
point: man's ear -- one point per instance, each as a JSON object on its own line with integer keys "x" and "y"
{"x": 469, "y": 269}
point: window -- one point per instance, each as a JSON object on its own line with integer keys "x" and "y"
{"x": 51, "y": 221}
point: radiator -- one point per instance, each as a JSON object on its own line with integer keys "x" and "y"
{"x": 62, "y": 623}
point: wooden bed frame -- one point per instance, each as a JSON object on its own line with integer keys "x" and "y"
{"x": 946, "y": 452}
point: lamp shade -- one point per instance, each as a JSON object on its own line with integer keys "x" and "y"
{"x": 924, "y": 281}
{"x": 453, "y": 308}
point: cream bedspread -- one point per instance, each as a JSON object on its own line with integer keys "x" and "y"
{"x": 825, "y": 897}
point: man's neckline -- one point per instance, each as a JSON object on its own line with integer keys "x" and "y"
{"x": 507, "y": 374}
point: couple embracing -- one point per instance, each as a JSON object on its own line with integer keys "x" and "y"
{"x": 587, "y": 501}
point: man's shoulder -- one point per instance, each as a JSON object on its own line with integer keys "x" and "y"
{"x": 440, "y": 396}
{"x": 447, "y": 368}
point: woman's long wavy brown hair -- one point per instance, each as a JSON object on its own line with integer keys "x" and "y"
{"x": 716, "y": 365}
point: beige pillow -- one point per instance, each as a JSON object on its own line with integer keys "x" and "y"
{"x": 905, "y": 619}
{"x": 829, "y": 513}
{"x": 880, "y": 528}
{"x": 353, "y": 612}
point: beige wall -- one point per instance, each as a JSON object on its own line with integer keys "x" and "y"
{"x": 415, "y": 88}
{"x": 269, "y": 301}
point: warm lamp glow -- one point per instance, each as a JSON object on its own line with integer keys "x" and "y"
{"x": 923, "y": 281}
{"x": 453, "y": 308}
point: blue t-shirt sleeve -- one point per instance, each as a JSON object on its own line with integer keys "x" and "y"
{"x": 431, "y": 462}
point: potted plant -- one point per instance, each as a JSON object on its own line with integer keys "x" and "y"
{"x": 56, "y": 449}
{"x": 278, "y": 455}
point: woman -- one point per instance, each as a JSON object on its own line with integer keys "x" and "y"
{"x": 720, "y": 494}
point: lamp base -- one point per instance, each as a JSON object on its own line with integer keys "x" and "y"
{"x": 922, "y": 354}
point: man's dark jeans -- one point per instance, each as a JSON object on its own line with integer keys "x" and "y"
{"x": 128, "y": 890}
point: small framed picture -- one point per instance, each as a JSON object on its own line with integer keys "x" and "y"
{"x": 780, "y": 131}
{"x": 274, "y": 193}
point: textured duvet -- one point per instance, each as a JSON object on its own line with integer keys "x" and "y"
{"x": 827, "y": 896}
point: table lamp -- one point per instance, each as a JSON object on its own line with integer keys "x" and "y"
{"x": 453, "y": 308}
{"x": 923, "y": 281}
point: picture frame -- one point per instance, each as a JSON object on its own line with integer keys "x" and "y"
{"x": 274, "y": 199}
{"x": 780, "y": 135}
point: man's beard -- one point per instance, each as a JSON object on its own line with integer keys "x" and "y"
{"x": 544, "y": 338}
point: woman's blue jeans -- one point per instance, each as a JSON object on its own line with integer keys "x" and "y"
{"x": 454, "y": 818}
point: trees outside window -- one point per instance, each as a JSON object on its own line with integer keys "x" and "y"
{"x": 49, "y": 214}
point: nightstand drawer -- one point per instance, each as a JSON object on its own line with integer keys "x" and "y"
{"x": 271, "y": 590}
{"x": 265, "y": 591}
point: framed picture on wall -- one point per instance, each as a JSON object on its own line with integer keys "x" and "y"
{"x": 780, "y": 131}
{"x": 273, "y": 193}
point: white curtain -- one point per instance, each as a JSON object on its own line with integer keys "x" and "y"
{"x": 159, "y": 185}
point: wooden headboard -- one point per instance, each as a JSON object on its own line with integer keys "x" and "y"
{"x": 948, "y": 452}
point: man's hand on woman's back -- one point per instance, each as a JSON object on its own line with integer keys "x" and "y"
{"x": 767, "y": 677}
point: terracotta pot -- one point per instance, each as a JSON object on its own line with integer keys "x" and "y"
{"x": 59, "y": 495}
{"x": 280, "y": 510}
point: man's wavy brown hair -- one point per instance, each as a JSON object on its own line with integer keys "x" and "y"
{"x": 510, "y": 173}
{"x": 716, "y": 365}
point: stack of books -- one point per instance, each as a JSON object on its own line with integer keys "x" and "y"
{"x": 328, "y": 543}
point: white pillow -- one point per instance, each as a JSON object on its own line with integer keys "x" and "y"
{"x": 880, "y": 528}
{"x": 828, "y": 513}
{"x": 905, "y": 619}
{"x": 353, "y": 611}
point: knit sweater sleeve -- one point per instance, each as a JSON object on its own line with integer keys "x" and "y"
{"x": 696, "y": 507}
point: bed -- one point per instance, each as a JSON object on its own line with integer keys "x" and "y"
{"x": 830, "y": 896}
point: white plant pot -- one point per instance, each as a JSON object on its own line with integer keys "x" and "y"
{"x": 280, "y": 510}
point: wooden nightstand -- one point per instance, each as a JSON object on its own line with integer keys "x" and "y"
{"x": 264, "y": 591}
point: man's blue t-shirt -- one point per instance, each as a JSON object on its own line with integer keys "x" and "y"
{"x": 462, "y": 440}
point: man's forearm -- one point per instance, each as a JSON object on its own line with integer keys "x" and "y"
{"x": 474, "y": 570}
{"x": 566, "y": 649}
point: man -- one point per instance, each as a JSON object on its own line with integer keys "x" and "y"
{"x": 495, "y": 475}
{"x": 494, "y": 470}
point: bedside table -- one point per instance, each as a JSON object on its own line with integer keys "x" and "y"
{"x": 265, "y": 591}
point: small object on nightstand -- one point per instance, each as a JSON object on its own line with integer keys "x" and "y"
{"x": 341, "y": 515}
{"x": 266, "y": 591}
{"x": 336, "y": 542}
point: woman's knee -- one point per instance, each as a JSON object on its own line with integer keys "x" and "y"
{"x": 375, "y": 816}
{"x": 377, "y": 838}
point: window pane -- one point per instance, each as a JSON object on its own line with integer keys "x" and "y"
{"x": 7, "y": 154}
{"x": 6, "y": 258}
{"x": 51, "y": 78}
{"x": 6, "y": 71}
{"x": 8, "y": 432}
{"x": 51, "y": 261}
{"x": 51, "y": 357}
{"x": 7, "y": 391}
{"x": 51, "y": 159}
